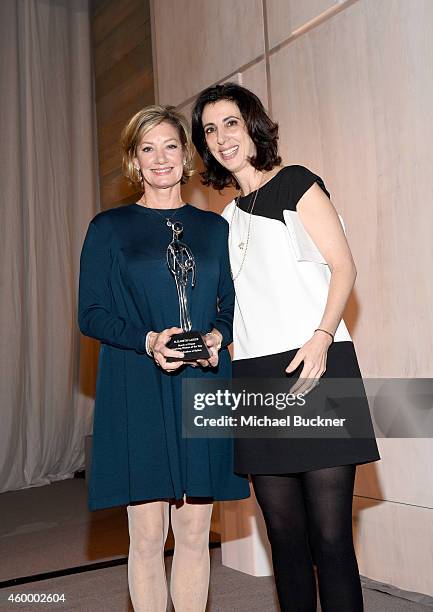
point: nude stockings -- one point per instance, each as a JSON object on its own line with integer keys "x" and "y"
{"x": 148, "y": 527}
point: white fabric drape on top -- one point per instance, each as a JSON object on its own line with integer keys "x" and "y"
{"x": 48, "y": 195}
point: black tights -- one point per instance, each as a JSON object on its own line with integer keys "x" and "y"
{"x": 308, "y": 518}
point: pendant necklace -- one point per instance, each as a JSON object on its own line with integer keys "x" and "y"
{"x": 168, "y": 220}
{"x": 249, "y": 211}
{"x": 243, "y": 244}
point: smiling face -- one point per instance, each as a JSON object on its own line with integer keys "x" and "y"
{"x": 227, "y": 135}
{"x": 160, "y": 156}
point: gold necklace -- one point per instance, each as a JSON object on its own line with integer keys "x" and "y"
{"x": 249, "y": 210}
{"x": 243, "y": 245}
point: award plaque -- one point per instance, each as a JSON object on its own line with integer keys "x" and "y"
{"x": 181, "y": 264}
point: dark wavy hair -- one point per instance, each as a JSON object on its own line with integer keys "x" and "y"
{"x": 262, "y": 130}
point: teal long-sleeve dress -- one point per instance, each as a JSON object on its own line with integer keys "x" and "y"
{"x": 126, "y": 290}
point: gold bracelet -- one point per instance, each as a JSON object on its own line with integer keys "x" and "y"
{"x": 326, "y": 332}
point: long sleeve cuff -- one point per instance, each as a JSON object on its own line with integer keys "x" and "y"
{"x": 226, "y": 331}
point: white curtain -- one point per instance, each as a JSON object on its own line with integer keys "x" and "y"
{"x": 48, "y": 195}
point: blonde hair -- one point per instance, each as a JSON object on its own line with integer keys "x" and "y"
{"x": 143, "y": 121}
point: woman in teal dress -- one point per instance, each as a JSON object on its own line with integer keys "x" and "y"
{"x": 128, "y": 300}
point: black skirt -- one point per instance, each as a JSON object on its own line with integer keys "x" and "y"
{"x": 294, "y": 455}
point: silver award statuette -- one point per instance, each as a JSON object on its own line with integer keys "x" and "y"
{"x": 181, "y": 264}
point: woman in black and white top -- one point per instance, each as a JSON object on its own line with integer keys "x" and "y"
{"x": 293, "y": 274}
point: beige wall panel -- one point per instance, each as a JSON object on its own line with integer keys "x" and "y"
{"x": 286, "y": 16}
{"x": 198, "y": 43}
{"x": 295, "y": 104}
{"x": 402, "y": 99}
{"x": 403, "y": 475}
{"x": 377, "y": 525}
{"x": 353, "y": 114}
{"x": 254, "y": 78}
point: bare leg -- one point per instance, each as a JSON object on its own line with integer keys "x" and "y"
{"x": 190, "y": 570}
{"x": 148, "y": 526}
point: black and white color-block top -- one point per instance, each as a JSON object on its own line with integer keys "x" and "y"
{"x": 281, "y": 293}
{"x": 282, "y": 280}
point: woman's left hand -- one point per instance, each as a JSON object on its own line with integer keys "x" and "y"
{"x": 213, "y": 342}
{"x": 313, "y": 353}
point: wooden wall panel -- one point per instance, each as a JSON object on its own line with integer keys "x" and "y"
{"x": 125, "y": 38}
{"x": 122, "y": 49}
